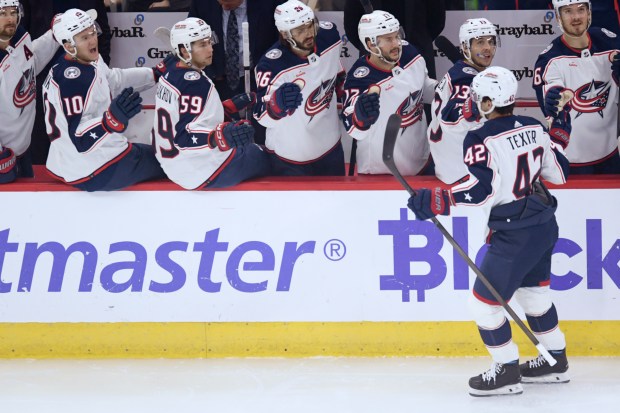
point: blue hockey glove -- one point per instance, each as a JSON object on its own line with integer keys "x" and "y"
{"x": 561, "y": 127}
{"x": 366, "y": 110}
{"x": 284, "y": 100}
{"x": 229, "y": 135}
{"x": 427, "y": 203}
{"x": 124, "y": 107}
{"x": 162, "y": 67}
{"x": 470, "y": 110}
{"x": 552, "y": 99}
{"x": 615, "y": 68}
{"x": 237, "y": 103}
{"x": 8, "y": 166}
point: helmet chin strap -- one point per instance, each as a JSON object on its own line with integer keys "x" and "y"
{"x": 385, "y": 59}
{"x": 483, "y": 112}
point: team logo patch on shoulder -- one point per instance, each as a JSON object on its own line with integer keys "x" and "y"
{"x": 326, "y": 25}
{"x": 72, "y": 72}
{"x": 361, "y": 72}
{"x": 470, "y": 70}
{"x": 547, "y": 49}
{"x": 609, "y": 33}
{"x": 273, "y": 54}
{"x": 404, "y": 42}
{"x": 191, "y": 75}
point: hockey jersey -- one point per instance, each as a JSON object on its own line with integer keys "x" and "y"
{"x": 187, "y": 109}
{"x": 588, "y": 74}
{"x": 448, "y": 128}
{"x": 20, "y": 63}
{"x": 505, "y": 157}
{"x": 76, "y": 95}
{"x": 403, "y": 90}
{"x": 312, "y": 129}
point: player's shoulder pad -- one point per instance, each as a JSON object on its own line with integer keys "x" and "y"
{"x": 73, "y": 78}
{"x": 327, "y": 37}
{"x": 461, "y": 73}
{"x": 188, "y": 81}
{"x": 603, "y": 39}
{"x": 362, "y": 74}
{"x": 409, "y": 53}
{"x": 272, "y": 57}
{"x": 329, "y": 27}
{"x": 554, "y": 49}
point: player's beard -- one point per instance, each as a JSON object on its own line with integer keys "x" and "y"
{"x": 307, "y": 45}
{"x": 577, "y": 30}
{"x": 7, "y": 32}
{"x": 393, "y": 56}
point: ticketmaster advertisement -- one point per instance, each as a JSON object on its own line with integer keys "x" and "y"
{"x": 274, "y": 256}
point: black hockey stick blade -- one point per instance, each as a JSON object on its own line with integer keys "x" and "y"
{"x": 367, "y": 5}
{"x": 389, "y": 143}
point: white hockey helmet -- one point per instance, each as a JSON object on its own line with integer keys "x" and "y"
{"x": 292, "y": 14}
{"x": 13, "y": 3}
{"x": 376, "y": 24}
{"x": 187, "y": 31}
{"x": 66, "y": 25}
{"x": 474, "y": 28}
{"x": 498, "y": 84}
{"x": 558, "y": 4}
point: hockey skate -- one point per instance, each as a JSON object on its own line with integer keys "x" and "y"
{"x": 500, "y": 379}
{"x": 539, "y": 370}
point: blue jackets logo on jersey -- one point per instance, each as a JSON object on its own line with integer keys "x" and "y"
{"x": 320, "y": 98}
{"x": 411, "y": 109}
{"x": 591, "y": 97}
{"x": 25, "y": 91}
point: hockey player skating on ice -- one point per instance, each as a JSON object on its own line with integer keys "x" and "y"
{"x": 194, "y": 145}
{"x": 453, "y": 113}
{"x": 506, "y": 157}
{"x": 85, "y": 126}
{"x": 391, "y": 79}
{"x": 21, "y": 60}
{"x": 583, "y": 61}
{"x": 296, "y": 85}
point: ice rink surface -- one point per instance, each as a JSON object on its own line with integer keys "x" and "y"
{"x": 317, "y": 385}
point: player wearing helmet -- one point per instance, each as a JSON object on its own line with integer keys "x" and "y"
{"x": 505, "y": 157}
{"x": 297, "y": 80}
{"x": 392, "y": 78}
{"x": 195, "y": 147}
{"x": 452, "y": 112}
{"x": 584, "y": 62}
{"x": 20, "y": 61}
{"x": 88, "y": 149}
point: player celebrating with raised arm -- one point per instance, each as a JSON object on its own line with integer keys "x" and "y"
{"x": 391, "y": 79}
{"x": 296, "y": 82}
{"x": 88, "y": 149}
{"x": 196, "y": 148}
{"x": 506, "y": 157}
{"x": 21, "y": 60}
{"x": 453, "y": 113}
{"x": 583, "y": 62}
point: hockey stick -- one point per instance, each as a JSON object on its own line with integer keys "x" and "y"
{"x": 367, "y": 5}
{"x": 446, "y": 47}
{"x": 389, "y": 142}
{"x": 245, "y": 30}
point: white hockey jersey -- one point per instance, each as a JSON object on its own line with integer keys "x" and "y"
{"x": 404, "y": 89}
{"x": 76, "y": 95}
{"x": 313, "y": 129}
{"x": 448, "y": 128}
{"x": 588, "y": 74}
{"x": 20, "y": 63}
{"x": 187, "y": 109}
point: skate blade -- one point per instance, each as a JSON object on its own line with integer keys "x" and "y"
{"x": 508, "y": 390}
{"x": 547, "y": 378}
